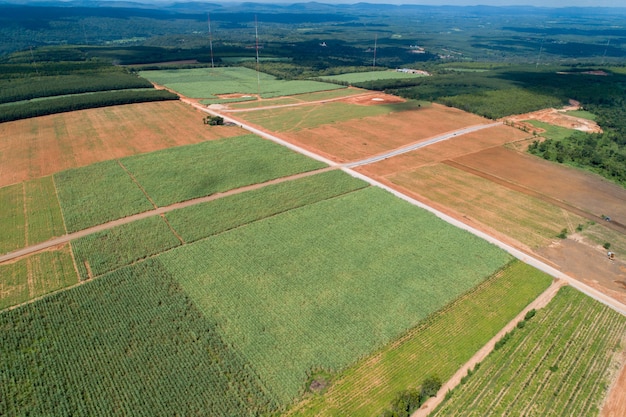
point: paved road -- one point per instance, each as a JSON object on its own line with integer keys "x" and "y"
{"x": 422, "y": 144}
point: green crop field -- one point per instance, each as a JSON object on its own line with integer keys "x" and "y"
{"x": 207, "y": 219}
{"x": 12, "y": 220}
{"x": 367, "y": 388}
{"x": 555, "y": 365}
{"x": 292, "y": 119}
{"x": 359, "y": 77}
{"x": 36, "y": 275}
{"x": 182, "y": 173}
{"x": 322, "y": 285}
{"x": 106, "y": 251}
{"x": 129, "y": 343}
{"x": 210, "y": 82}
{"x": 111, "y": 190}
{"x": 97, "y": 194}
{"x": 29, "y": 214}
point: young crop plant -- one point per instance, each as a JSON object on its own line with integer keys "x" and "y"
{"x": 128, "y": 343}
{"x": 97, "y": 194}
{"x": 29, "y": 214}
{"x": 36, "y": 275}
{"x": 183, "y": 173}
{"x": 554, "y": 365}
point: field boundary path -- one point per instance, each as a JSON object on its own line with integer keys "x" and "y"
{"x": 159, "y": 211}
{"x": 539, "y": 302}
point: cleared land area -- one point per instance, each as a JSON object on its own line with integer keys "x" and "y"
{"x": 555, "y": 364}
{"x": 368, "y": 387}
{"x": 579, "y": 188}
{"x": 45, "y": 145}
{"x": 530, "y": 220}
{"x": 358, "y": 138}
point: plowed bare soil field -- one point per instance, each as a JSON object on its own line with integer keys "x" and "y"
{"x": 360, "y": 138}
{"x": 448, "y": 149}
{"x": 581, "y": 189}
{"x": 45, "y": 145}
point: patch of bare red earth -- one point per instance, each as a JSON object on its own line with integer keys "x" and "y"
{"x": 361, "y": 138}
{"x": 41, "y": 146}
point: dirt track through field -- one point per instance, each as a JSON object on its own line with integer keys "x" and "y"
{"x": 156, "y": 212}
{"x": 449, "y": 385}
{"x": 521, "y": 189}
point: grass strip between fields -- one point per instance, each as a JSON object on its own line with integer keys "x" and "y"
{"x": 556, "y": 364}
{"x": 439, "y": 345}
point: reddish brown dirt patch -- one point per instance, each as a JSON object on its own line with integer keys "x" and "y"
{"x": 615, "y": 404}
{"x": 373, "y": 99}
{"x": 237, "y": 95}
{"x": 452, "y": 148}
{"x": 361, "y": 138}
{"x": 44, "y": 145}
{"x": 556, "y": 118}
{"x": 578, "y": 188}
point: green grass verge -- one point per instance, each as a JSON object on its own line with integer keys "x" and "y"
{"x": 129, "y": 343}
{"x": 187, "y": 172}
{"x": 48, "y": 271}
{"x": 207, "y": 219}
{"x": 552, "y": 131}
{"x": 97, "y": 194}
{"x": 292, "y": 119}
{"x": 111, "y": 249}
{"x": 29, "y": 214}
{"x": 439, "y": 345}
{"x": 583, "y": 114}
{"x": 557, "y": 364}
{"x": 322, "y": 285}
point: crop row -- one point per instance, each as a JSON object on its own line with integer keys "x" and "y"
{"x": 36, "y": 275}
{"x": 29, "y": 214}
{"x": 439, "y": 345}
{"x": 130, "y": 343}
{"x": 555, "y": 365}
{"x": 318, "y": 286}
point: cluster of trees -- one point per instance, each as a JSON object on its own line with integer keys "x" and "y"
{"x": 407, "y": 401}
{"x": 24, "y": 110}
